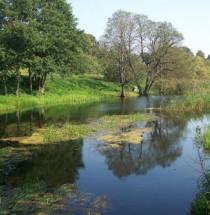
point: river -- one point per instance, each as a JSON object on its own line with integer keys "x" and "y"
{"x": 157, "y": 176}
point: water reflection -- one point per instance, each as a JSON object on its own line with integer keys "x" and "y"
{"x": 54, "y": 164}
{"x": 161, "y": 147}
{"x": 22, "y": 123}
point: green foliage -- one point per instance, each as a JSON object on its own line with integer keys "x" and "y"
{"x": 42, "y": 37}
{"x": 200, "y": 54}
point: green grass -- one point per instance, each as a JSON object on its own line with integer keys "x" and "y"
{"x": 206, "y": 139}
{"x": 75, "y": 90}
{"x": 196, "y": 99}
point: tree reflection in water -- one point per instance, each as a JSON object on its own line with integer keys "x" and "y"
{"x": 55, "y": 164}
{"x": 160, "y": 147}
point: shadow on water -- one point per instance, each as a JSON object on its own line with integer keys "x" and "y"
{"x": 55, "y": 164}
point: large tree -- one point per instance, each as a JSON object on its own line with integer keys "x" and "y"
{"x": 133, "y": 39}
{"x": 114, "y": 41}
{"x": 42, "y": 37}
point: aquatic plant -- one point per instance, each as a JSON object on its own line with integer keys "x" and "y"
{"x": 64, "y": 132}
{"x": 206, "y": 139}
{"x": 41, "y": 198}
{"x": 201, "y": 205}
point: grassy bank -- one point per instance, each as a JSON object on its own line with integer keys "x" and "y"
{"x": 198, "y": 98}
{"x": 74, "y": 90}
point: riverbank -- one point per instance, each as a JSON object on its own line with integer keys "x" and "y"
{"x": 74, "y": 91}
{"x": 196, "y": 99}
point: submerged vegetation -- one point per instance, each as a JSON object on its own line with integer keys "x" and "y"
{"x": 65, "y": 132}
{"x": 118, "y": 138}
{"x": 41, "y": 198}
{"x": 70, "y": 131}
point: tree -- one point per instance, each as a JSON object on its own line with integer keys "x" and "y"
{"x": 133, "y": 40}
{"x": 177, "y": 67}
{"x": 4, "y": 70}
{"x": 160, "y": 37}
{"x": 42, "y": 37}
{"x": 200, "y": 54}
{"x": 115, "y": 44}
{"x": 57, "y": 47}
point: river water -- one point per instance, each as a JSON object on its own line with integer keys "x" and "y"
{"x": 157, "y": 176}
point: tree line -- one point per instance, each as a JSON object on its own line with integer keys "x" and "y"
{"x": 41, "y": 37}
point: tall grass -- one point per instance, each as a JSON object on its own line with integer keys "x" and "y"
{"x": 198, "y": 98}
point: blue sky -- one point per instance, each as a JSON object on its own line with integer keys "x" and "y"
{"x": 190, "y": 17}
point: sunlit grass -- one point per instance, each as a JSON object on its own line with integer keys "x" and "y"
{"x": 74, "y": 91}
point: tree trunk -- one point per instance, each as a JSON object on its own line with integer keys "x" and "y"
{"x": 5, "y": 88}
{"x": 39, "y": 84}
{"x": 17, "y": 88}
{"x": 42, "y": 83}
{"x": 30, "y": 81}
{"x": 18, "y": 120}
{"x": 122, "y": 90}
{"x": 135, "y": 78}
{"x": 17, "y": 83}
{"x": 146, "y": 89}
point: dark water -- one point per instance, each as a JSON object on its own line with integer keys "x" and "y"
{"x": 157, "y": 176}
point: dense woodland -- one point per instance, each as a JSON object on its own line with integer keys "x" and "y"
{"x": 40, "y": 38}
